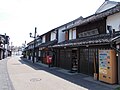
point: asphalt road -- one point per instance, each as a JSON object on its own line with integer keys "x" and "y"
{"x": 22, "y": 74}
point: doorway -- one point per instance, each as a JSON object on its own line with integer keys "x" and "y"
{"x": 74, "y": 61}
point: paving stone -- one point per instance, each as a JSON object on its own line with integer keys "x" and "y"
{"x": 4, "y": 77}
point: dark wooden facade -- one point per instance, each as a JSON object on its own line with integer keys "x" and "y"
{"x": 47, "y": 37}
{"x": 44, "y": 47}
{"x": 81, "y": 58}
{"x": 3, "y": 40}
{"x": 100, "y": 25}
{"x": 85, "y": 56}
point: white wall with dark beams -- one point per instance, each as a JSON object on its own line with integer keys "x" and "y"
{"x": 61, "y": 34}
{"x": 53, "y": 35}
{"x": 43, "y": 39}
{"x": 72, "y": 33}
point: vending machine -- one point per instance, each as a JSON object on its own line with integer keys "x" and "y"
{"x": 107, "y": 66}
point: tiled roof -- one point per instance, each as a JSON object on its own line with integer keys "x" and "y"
{"x": 98, "y": 16}
{"x": 97, "y": 39}
{"x": 47, "y": 44}
{"x": 50, "y": 43}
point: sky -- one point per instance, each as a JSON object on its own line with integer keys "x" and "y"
{"x": 20, "y": 17}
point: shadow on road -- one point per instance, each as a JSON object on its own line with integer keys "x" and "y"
{"x": 76, "y": 79}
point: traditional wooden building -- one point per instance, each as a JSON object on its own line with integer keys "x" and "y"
{"x": 42, "y": 44}
{"x": 4, "y": 46}
{"x": 87, "y": 45}
{"x": 69, "y": 52}
{"x": 29, "y": 50}
{"x": 48, "y": 39}
{"x": 80, "y": 50}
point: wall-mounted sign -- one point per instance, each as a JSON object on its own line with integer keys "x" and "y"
{"x": 88, "y": 33}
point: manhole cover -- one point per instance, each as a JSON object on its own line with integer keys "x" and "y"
{"x": 16, "y": 64}
{"x": 35, "y": 79}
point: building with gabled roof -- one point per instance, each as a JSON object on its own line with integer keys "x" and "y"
{"x": 87, "y": 45}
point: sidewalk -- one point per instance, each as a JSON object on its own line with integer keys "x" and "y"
{"x": 77, "y": 78}
{"x": 5, "y": 82}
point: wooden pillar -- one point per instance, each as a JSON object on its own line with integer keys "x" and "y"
{"x": 58, "y": 57}
{"x": 78, "y": 59}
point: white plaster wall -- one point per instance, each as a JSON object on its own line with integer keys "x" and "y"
{"x": 70, "y": 34}
{"x": 106, "y": 5}
{"x": 114, "y": 21}
{"x": 61, "y": 36}
{"x": 39, "y": 53}
{"x": 27, "y": 57}
{"x": 74, "y": 34}
{"x": 31, "y": 58}
{"x": 43, "y": 39}
{"x": 35, "y": 59}
{"x": 53, "y": 36}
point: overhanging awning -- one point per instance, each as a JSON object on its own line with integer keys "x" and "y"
{"x": 47, "y": 44}
{"x": 91, "y": 40}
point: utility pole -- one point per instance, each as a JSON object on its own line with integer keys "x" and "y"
{"x": 33, "y": 59}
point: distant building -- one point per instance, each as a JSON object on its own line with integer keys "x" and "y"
{"x": 4, "y": 46}
{"x": 1, "y": 47}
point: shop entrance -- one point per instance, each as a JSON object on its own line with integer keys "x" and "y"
{"x": 87, "y": 57}
{"x": 74, "y": 61}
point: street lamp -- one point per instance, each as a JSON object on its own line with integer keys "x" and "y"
{"x": 34, "y": 43}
